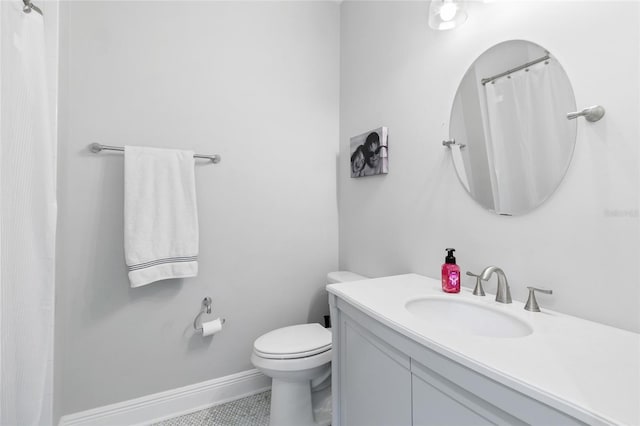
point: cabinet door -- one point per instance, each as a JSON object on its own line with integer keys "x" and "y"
{"x": 432, "y": 407}
{"x": 438, "y": 401}
{"x": 376, "y": 387}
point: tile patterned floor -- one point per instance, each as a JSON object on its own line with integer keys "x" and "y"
{"x": 249, "y": 411}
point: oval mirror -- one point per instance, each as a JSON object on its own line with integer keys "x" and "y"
{"x": 513, "y": 142}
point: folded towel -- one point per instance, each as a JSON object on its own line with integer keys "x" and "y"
{"x": 160, "y": 215}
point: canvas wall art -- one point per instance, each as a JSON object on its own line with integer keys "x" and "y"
{"x": 369, "y": 153}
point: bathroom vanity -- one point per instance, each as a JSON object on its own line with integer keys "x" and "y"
{"x": 405, "y": 353}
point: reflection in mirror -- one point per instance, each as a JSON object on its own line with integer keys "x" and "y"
{"x": 510, "y": 113}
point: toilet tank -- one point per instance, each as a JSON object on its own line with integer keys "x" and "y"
{"x": 343, "y": 277}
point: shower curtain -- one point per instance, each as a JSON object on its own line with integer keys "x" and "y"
{"x": 528, "y": 136}
{"x": 27, "y": 221}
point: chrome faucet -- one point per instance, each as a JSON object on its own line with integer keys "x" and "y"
{"x": 503, "y": 294}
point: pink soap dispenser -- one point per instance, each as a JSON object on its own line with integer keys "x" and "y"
{"x": 450, "y": 273}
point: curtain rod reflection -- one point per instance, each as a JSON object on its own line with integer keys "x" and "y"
{"x": 28, "y": 7}
{"x": 518, "y": 68}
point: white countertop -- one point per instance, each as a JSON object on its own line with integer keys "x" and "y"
{"x": 579, "y": 365}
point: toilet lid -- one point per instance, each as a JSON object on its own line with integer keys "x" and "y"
{"x": 296, "y": 341}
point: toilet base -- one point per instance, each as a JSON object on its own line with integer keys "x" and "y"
{"x": 291, "y": 403}
{"x": 321, "y": 401}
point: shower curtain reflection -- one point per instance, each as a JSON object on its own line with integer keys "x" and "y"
{"x": 527, "y": 137}
{"x": 27, "y": 221}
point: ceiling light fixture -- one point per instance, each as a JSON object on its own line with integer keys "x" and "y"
{"x": 446, "y": 14}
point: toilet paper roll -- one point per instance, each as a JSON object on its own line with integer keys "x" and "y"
{"x": 211, "y": 327}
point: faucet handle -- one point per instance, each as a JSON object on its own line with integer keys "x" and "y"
{"x": 532, "y": 303}
{"x": 478, "y": 290}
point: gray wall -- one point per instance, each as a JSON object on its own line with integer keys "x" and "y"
{"x": 583, "y": 242}
{"x": 265, "y": 85}
{"x": 257, "y": 83}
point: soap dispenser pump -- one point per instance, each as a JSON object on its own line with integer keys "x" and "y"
{"x": 450, "y": 273}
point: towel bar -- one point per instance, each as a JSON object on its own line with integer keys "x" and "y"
{"x": 96, "y": 148}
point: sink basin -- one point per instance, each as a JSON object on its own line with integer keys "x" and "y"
{"x": 468, "y": 317}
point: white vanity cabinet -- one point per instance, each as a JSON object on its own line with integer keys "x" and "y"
{"x": 382, "y": 377}
{"x": 375, "y": 380}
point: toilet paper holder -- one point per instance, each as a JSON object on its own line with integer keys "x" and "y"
{"x": 204, "y": 308}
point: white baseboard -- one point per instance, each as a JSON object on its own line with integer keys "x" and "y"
{"x": 176, "y": 402}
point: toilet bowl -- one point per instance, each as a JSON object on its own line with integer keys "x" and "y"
{"x": 298, "y": 360}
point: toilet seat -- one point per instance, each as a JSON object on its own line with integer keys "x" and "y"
{"x": 294, "y": 342}
{"x": 291, "y": 364}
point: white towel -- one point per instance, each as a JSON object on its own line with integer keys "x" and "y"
{"x": 160, "y": 214}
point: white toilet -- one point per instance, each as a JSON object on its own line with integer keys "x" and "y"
{"x": 298, "y": 360}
